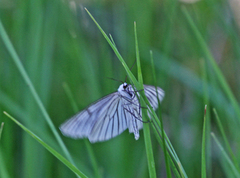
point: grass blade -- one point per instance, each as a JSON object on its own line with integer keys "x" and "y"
{"x": 204, "y": 145}
{"x": 140, "y": 78}
{"x": 146, "y": 128}
{"x": 112, "y": 39}
{"x": 70, "y": 97}
{"x": 131, "y": 76}
{"x": 1, "y": 129}
{"x": 168, "y": 170}
{"x": 7, "y": 101}
{"x": 50, "y": 149}
{"x": 225, "y": 139}
{"x": 234, "y": 169}
{"x": 3, "y": 170}
{"x": 88, "y": 145}
{"x": 208, "y": 122}
{"x": 26, "y": 78}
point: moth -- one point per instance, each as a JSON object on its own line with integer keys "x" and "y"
{"x": 112, "y": 114}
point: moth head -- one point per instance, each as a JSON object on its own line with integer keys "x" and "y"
{"x": 125, "y": 85}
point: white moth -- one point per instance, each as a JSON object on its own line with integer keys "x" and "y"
{"x": 111, "y": 115}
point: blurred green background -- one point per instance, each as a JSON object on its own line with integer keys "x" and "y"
{"x": 57, "y": 42}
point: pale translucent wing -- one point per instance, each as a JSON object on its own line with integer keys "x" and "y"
{"x": 151, "y": 94}
{"x": 110, "y": 116}
{"x": 99, "y": 122}
{"x": 134, "y": 124}
{"x": 111, "y": 124}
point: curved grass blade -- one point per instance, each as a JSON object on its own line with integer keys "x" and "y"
{"x": 50, "y": 149}
{"x": 225, "y": 139}
{"x": 131, "y": 76}
{"x": 88, "y": 145}
{"x": 229, "y": 161}
{"x": 10, "y": 104}
{"x": 166, "y": 158}
{"x": 26, "y": 78}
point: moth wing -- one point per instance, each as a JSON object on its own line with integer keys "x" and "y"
{"x": 151, "y": 94}
{"x": 101, "y": 121}
{"x": 134, "y": 124}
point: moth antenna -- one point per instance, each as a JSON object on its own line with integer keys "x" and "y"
{"x": 115, "y": 79}
{"x": 131, "y": 69}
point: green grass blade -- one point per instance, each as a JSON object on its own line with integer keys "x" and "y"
{"x": 88, "y": 145}
{"x": 1, "y": 129}
{"x": 10, "y": 104}
{"x": 131, "y": 76}
{"x": 26, "y": 78}
{"x": 214, "y": 65}
{"x": 112, "y": 40}
{"x": 225, "y": 139}
{"x": 234, "y": 169}
{"x": 146, "y": 128}
{"x": 203, "y": 173}
{"x": 3, "y": 170}
{"x": 70, "y": 97}
{"x": 157, "y": 128}
{"x": 140, "y": 78}
{"x": 173, "y": 158}
{"x": 50, "y": 149}
{"x": 208, "y": 122}
{"x": 166, "y": 158}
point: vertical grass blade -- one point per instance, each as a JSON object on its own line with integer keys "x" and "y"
{"x": 225, "y": 139}
{"x": 146, "y": 128}
{"x": 88, "y": 145}
{"x": 70, "y": 97}
{"x": 50, "y": 149}
{"x": 208, "y": 122}
{"x": 140, "y": 78}
{"x": 1, "y": 129}
{"x": 234, "y": 169}
{"x": 214, "y": 65}
{"x": 3, "y": 170}
{"x": 157, "y": 130}
{"x": 26, "y": 78}
{"x": 203, "y": 173}
{"x": 168, "y": 170}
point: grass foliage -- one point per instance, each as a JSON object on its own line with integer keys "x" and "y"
{"x": 55, "y": 60}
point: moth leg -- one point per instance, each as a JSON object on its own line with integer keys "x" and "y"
{"x": 136, "y": 116}
{"x": 136, "y": 91}
{"x": 130, "y": 101}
